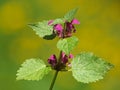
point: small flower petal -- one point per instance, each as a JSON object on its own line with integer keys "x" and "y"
{"x": 52, "y": 60}
{"x": 58, "y": 27}
{"x": 64, "y": 58}
{"x": 75, "y": 21}
{"x": 71, "y": 56}
{"x": 69, "y": 26}
{"x": 50, "y": 22}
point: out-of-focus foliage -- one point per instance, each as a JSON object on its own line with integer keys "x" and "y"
{"x": 99, "y": 32}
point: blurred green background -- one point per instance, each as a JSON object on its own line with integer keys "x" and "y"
{"x": 99, "y": 32}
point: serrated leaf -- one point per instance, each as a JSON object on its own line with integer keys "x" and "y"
{"x": 87, "y": 67}
{"x": 32, "y": 69}
{"x": 42, "y": 28}
{"x": 58, "y": 21}
{"x": 70, "y": 15}
{"x": 67, "y": 44}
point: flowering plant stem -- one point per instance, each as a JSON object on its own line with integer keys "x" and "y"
{"x": 53, "y": 81}
{"x": 56, "y": 73}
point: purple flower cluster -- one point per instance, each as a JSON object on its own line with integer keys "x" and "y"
{"x": 64, "y": 59}
{"x": 52, "y": 60}
{"x": 66, "y": 30}
{"x": 62, "y": 31}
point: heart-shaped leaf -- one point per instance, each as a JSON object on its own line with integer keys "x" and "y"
{"x": 67, "y": 44}
{"x": 87, "y": 67}
{"x": 32, "y": 69}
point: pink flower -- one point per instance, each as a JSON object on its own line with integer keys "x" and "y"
{"x": 52, "y": 60}
{"x": 67, "y": 30}
{"x": 75, "y": 21}
{"x": 71, "y": 56}
{"x": 70, "y": 27}
{"x": 59, "y": 29}
{"x": 50, "y": 22}
{"x": 65, "y": 57}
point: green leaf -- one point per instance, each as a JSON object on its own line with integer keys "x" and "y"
{"x": 67, "y": 44}
{"x": 49, "y": 37}
{"x": 70, "y": 15}
{"x": 42, "y": 28}
{"x": 58, "y": 21}
{"x": 87, "y": 67}
{"x": 32, "y": 69}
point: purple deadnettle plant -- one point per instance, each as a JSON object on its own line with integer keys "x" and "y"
{"x": 85, "y": 66}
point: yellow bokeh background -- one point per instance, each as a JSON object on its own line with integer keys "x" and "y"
{"x": 99, "y": 32}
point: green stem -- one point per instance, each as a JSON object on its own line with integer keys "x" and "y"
{"x": 53, "y": 81}
{"x": 60, "y": 56}
{"x": 56, "y": 73}
{"x": 64, "y": 31}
